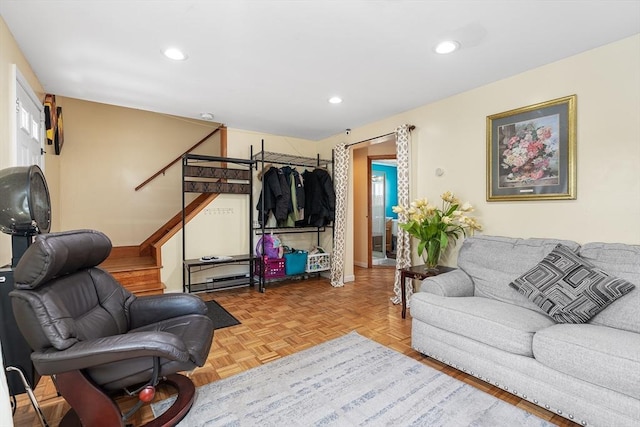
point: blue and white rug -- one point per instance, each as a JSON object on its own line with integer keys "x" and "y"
{"x": 349, "y": 381}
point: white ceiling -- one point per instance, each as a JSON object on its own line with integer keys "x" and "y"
{"x": 271, "y": 65}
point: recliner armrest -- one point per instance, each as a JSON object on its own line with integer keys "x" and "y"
{"x": 114, "y": 348}
{"x": 454, "y": 283}
{"x": 155, "y": 308}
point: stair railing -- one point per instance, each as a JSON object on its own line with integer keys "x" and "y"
{"x": 179, "y": 158}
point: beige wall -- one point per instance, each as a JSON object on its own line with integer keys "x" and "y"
{"x": 108, "y": 152}
{"x": 451, "y": 134}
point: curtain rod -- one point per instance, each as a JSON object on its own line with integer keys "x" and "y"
{"x": 411, "y": 127}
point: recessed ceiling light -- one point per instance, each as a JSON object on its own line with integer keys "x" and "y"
{"x": 206, "y": 116}
{"x": 447, "y": 46}
{"x": 335, "y": 100}
{"x": 175, "y": 54}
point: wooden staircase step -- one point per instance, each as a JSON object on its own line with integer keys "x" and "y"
{"x": 139, "y": 275}
{"x": 140, "y": 289}
{"x": 117, "y": 264}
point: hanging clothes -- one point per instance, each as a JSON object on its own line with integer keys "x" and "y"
{"x": 276, "y": 194}
{"x": 296, "y": 208}
{"x": 284, "y": 205}
{"x": 320, "y": 198}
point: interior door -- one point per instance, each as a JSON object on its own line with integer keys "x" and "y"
{"x": 29, "y": 126}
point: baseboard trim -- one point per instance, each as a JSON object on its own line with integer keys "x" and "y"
{"x": 360, "y": 264}
{"x": 349, "y": 278}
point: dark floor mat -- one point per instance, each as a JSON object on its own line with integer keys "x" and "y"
{"x": 221, "y": 318}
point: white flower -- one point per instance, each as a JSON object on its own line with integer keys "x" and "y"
{"x": 447, "y": 196}
{"x": 421, "y": 203}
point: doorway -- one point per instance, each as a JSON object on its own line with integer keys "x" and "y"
{"x": 382, "y": 171}
{"x": 362, "y": 156}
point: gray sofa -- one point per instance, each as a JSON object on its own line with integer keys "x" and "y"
{"x": 472, "y": 319}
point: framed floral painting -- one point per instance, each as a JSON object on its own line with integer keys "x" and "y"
{"x": 531, "y": 152}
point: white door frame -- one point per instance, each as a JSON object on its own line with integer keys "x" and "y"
{"x": 20, "y": 80}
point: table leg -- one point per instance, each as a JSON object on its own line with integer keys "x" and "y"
{"x": 403, "y": 286}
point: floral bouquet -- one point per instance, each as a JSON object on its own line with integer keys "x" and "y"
{"x": 434, "y": 227}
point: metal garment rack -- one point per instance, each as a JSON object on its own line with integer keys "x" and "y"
{"x": 266, "y": 157}
{"x": 286, "y": 159}
{"x": 209, "y": 174}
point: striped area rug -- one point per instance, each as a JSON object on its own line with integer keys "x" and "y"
{"x": 348, "y": 381}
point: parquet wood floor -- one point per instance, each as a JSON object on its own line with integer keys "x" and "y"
{"x": 289, "y": 317}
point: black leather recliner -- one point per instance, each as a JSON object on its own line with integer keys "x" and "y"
{"x": 96, "y": 338}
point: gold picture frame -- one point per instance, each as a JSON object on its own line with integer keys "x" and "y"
{"x": 531, "y": 152}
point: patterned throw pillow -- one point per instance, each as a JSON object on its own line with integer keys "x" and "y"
{"x": 568, "y": 288}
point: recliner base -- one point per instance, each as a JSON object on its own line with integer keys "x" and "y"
{"x": 91, "y": 407}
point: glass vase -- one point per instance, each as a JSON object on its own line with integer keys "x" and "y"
{"x": 431, "y": 255}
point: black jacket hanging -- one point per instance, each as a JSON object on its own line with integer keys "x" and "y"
{"x": 276, "y": 194}
{"x": 283, "y": 204}
{"x": 290, "y": 173}
{"x": 320, "y": 198}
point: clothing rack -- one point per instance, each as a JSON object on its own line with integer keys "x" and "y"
{"x": 287, "y": 159}
{"x": 267, "y": 157}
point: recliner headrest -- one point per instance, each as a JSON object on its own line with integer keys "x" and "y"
{"x": 58, "y": 254}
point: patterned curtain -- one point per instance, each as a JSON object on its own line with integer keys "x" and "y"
{"x": 403, "y": 255}
{"x": 341, "y": 176}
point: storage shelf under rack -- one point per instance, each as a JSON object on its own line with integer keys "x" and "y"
{"x": 195, "y": 265}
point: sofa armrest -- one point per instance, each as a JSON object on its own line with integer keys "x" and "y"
{"x": 454, "y": 283}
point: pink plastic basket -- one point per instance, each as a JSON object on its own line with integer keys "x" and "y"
{"x": 273, "y": 267}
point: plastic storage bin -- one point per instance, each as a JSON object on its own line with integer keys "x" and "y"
{"x": 296, "y": 262}
{"x": 318, "y": 262}
{"x": 273, "y": 267}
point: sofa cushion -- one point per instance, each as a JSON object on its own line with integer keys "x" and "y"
{"x": 622, "y": 261}
{"x": 505, "y": 326}
{"x": 493, "y": 262}
{"x": 597, "y": 354}
{"x": 568, "y": 288}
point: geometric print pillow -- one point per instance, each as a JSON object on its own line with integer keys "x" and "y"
{"x": 568, "y": 288}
